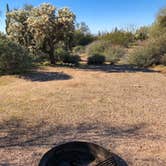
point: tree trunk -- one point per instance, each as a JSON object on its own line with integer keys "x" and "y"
{"x": 51, "y": 55}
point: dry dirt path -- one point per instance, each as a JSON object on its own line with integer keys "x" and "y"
{"x": 118, "y": 107}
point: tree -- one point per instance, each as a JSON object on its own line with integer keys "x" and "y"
{"x": 161, "y": 18}
{"x": 159, "y": 26}
{"x": 41, "y": 28}
{"x": 82, "y": 27}
{"x": 82, "y": 35}
{"x": 17, "y": 27}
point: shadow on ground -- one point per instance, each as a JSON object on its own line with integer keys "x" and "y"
{"x": 115, "y": 68}
{"x": 15, "y": 132}
{"x": 42, "y": 76}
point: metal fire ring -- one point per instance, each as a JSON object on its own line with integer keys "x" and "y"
{"x": 80, "y": 154}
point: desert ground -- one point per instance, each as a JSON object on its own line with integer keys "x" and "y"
{"x": 121, "y": 108}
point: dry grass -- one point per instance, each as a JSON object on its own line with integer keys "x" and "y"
{"x": 123, "y": 110}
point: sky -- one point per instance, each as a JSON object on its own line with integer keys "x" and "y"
{"x": 99, "y": 15}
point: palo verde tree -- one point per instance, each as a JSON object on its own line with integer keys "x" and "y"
{"x": 41, "y": 27}
{"x": 161, "y": 18}
{"x": 158, "y": 28}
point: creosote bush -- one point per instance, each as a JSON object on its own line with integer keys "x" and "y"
{"x": 96, "y": 59}
{"x": 13, "y": 57}
{"x": 113, "y": 54}
{"x": 97, "y": 47}
{"x": 141, "y": 58}
{"x": 152, "y": 53}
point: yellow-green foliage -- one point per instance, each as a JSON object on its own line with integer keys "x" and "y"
{"x": 113, "y": 54}
{"x": 97, "y": 47}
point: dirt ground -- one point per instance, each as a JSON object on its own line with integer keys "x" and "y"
{"x": 118, "y": 107}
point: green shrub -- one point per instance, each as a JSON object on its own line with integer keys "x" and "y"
{"x": 13, "y": 58}
{"x": 140, "y": 58}
{"x": 144, "y": 57}
{"x": 71, "y": 59}
{"x": 79, "y": 49}
{"x": 97, "y": 47}
{"x": 118, "y": 37}
{"x": 66, "y": 57}
{"x": 60, "y": 53}
{"x": 96, "y": 59}
{"x": 113, "y": 54}
{"x": 151, "y": 53}
{"x": 142, "y": 33}
{"x": 81, "y": 38}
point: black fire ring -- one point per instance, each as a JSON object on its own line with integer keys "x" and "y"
{"x": 80, "y": 154}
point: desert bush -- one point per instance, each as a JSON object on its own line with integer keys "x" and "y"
{"x": 150, "y": 53}
{"x": 145, "y": 56}
{"x": 142, "y": 33}
{"x": 96, "y": 59}
{"x": 113, "y": 54}
{"x": 97, "y": 47}
{"x": 71, "y": 59}
{"x": 79, "y": 49}
{"x": 13, "y": 57}
{"x": 66, "y": 57}
{"x": 140, "y": 58}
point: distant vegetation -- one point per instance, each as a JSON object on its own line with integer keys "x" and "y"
{"x": 153, "y": 50}
{"x": 118, "y": 37}
{"x": 45, "y": 33}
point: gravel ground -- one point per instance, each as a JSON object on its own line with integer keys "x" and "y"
{"x": 120, "y": 108}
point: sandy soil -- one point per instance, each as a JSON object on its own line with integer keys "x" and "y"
{"x": 120, "y": 108}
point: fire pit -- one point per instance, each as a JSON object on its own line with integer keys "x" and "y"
{"x": 80, "y": 154}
